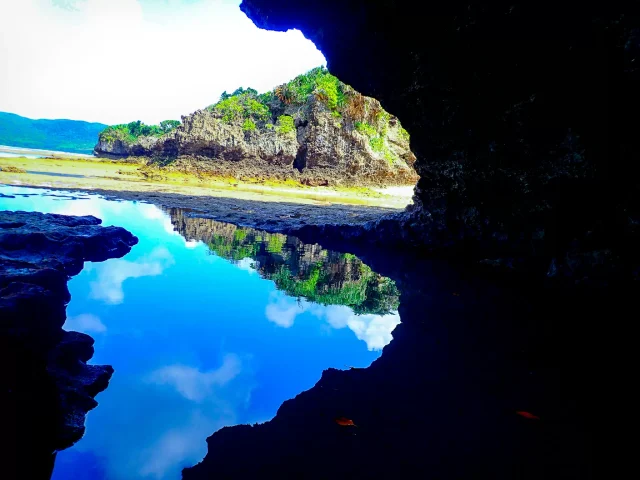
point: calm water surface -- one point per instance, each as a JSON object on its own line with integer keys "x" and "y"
{"x": 206, "y": 325}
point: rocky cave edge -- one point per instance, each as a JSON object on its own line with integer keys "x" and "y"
{"x": 522, "y": 120}
{"x": 523, "y": 123}
{"x": 49, "y": 388}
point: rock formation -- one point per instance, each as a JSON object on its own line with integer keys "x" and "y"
{"x": 48, "y": 386}
{"x": 298, "y": 135}
{"x": 522, "y": 120}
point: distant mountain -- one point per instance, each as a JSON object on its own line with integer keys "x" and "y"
{"x": 64, "y": 135}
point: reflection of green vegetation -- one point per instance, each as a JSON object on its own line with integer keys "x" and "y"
{"x": 307, "y": 271}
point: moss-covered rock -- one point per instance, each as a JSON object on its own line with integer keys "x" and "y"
{"x": 314, "y": 129}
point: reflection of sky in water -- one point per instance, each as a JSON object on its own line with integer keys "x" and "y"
{"x": 197, "y": 343}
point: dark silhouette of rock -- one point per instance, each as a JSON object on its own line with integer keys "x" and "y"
{"x": 443, "y": 399}
{"x": 47, "y": 385}
{"x": 522, "y": 120}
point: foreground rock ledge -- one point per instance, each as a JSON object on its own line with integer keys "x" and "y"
{"x": 47, "y": 386}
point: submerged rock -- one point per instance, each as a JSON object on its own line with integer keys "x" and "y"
{"x": 48, "y": 388}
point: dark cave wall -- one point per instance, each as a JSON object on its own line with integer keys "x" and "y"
{"x": 523, "y": 119}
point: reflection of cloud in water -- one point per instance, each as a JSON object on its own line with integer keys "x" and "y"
{"x": 206, "y": 405}
{"x": 194, "y": 384}
{"x": 283, "y": 310}
{"x": 374, "y": 330}
{"x": 85, "y": 323}
{"x": 247, "y": 264}
{"x": 112, "y": 273}
{"x": 181, "y": 446}
{"x": 154, "y": 213}
{"x": 92, "y": 206}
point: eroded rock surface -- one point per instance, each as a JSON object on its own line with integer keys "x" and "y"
{"x": 48, "y": 388}
{"x": 322, "y": 146}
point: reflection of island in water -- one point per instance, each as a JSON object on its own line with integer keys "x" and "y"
{"x": 300, "y": 270}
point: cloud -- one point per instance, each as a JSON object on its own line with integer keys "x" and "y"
{"x": 374, "y": 330}
{"x": 115, "y": 61}
{"x": 112, "y": 274}
{"x": 194, "y": 384}
{"x": 85, "y": 323}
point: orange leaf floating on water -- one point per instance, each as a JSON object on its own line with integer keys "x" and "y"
{"x": 528, "y": 415}
{"x": 344, "y": 422}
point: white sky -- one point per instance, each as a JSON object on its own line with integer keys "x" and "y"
{"x": 114, "y": 61}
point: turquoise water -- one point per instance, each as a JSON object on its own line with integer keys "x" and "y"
{"x": 206, "y": 325}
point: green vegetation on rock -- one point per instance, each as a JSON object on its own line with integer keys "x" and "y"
{"x": 248, "y": 125}
{"x": 285, "y": 124}
{"x": 348, "y": 138}
{"x": 263, "y": 108}
{"x": 129, "y": 132}
{"x": 404, "y": 134}
{"x": 366, "y": 129}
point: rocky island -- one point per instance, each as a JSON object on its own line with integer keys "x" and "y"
{"x": 48, "y": 388}
{"x": 314, "y": 129}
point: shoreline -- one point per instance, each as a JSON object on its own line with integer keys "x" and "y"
{"x": 274, "y": 216}
{"x": 94, "y": 174}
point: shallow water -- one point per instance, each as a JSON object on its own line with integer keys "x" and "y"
{"x": 206, "y": 325}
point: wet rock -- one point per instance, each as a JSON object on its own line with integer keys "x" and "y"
{"x": 47, "y": 386}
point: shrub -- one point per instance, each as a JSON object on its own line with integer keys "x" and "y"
{"x": 366, "y": 129}
{"x": 377, "y": 144}
{"x": 248, "y": 125}
{"x": 389, "y": 156}
{"x": 404, "y": 135}
{"x": 129, "y": 132}
{"x": 242, "y": 105}
{"x": 230, "y": 108}
{"x": 383, "y": 122}
{"x": 286, "y": 94}
{"x": 327, "y": 90}
{"x": 167, "y": 125}
{"x": 256, "y": 109}
{"x": 285, "y": 124}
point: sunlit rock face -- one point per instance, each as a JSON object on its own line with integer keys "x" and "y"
{"x": 522, "y": 120}
{"x": 354, "y": 143}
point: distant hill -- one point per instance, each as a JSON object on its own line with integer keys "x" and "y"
{"x": 64, "y": 135}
